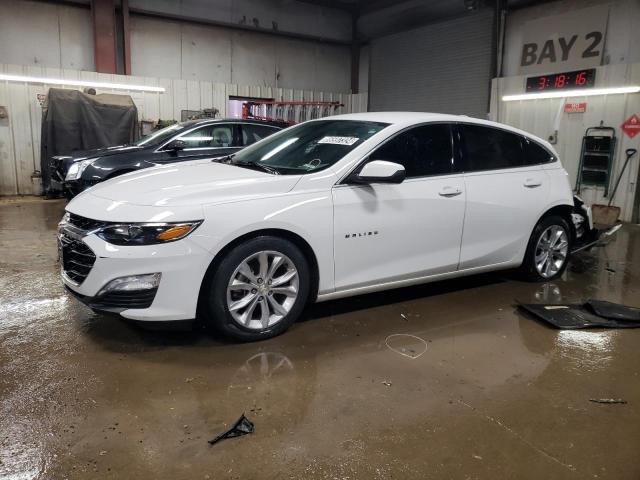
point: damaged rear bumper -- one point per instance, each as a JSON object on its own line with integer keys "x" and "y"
{"x": 593, "y": 237}
{"x": 586, "y": 235}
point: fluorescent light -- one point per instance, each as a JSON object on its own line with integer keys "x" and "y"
{"x": 79, "y": 83}
{"x": 571, "y": 93}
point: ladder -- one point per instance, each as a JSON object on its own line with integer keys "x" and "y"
{"x": 288, "y": 112}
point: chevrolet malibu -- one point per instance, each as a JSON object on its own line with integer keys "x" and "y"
{"x": 330, "y": 208}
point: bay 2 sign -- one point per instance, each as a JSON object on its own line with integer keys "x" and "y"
{"x": 571, "y": 40}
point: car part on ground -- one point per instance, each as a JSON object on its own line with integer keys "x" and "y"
{"x": 614, "y": 311}
{"x": 243, "y": 426}
{"x": 575, "y": 316}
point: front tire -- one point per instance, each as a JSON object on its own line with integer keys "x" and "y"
{"x": 257, "y": 290}
{"x": 548, "y": 250}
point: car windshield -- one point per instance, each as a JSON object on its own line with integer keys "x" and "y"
{"x": 308, "y": 147}
{"x": 159, "y": 136}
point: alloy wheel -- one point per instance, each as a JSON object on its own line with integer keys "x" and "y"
{"x": 551, "y": 251}
{"x": 262, "y": 290}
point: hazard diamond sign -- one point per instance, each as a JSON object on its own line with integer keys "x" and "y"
{"x": 631, "y": 126}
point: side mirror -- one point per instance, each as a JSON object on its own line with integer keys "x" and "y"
{"x": 176, "y": 145}
{"x": 380, "y": 171}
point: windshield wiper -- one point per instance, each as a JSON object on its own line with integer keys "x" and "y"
{"x": 260, "y": 166}
{"x": 224, "y": 158}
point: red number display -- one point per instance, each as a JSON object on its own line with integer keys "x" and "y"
{"x": 562, "y": 81}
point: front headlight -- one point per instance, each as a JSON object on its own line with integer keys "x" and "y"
{"x": 146, "y": 233}
{"x": 65, "y": 219}
{"x": 77, "y": 168}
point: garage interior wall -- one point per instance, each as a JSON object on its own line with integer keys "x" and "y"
{"x": 622, "y": 35}
{"x": 181, "y": 50}
{"x": 540, "y": 117}
{"x": 20, "y": 132}
{"x": 443, "y": 67}
{"x": 621, "y": 67}
{"x": 60, "y": 36}
{"x": 46, "y": 34}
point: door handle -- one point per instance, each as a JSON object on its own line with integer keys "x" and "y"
{"x": 450, "y": 191}
{"x": 532, "y": 183}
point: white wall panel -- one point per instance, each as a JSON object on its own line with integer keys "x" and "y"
{"x": 180, "y": 50}
{"x": 20, "y": 133}
{"x": 156, "y": 48}
{"x": 283, "y": 15}
{"x": 206, "y": 53}
{"x": 538, "y": 117}
{"x": 253, "y": 59}
{"x": 45, "y": 34}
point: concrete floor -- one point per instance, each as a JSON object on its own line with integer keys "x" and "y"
{"x": 495, "y": 394}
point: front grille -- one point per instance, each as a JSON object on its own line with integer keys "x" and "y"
{"x": 86, "y": 224}
{"x": 76, "y": 257}
{"x": 57, "y": 169}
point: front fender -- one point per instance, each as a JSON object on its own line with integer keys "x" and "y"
{"x": 307, "y": 215}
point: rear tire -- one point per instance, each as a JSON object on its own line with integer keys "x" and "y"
{"x": 548, "y": 250}
{"x": 257, "y": 290}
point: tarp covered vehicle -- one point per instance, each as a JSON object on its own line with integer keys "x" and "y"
{"x": 73, "y": 121}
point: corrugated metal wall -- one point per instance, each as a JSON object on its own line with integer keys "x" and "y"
{"x": 539, "y": 117}
{"x": 445, "y": 67}
{"x": 20, "y": 133}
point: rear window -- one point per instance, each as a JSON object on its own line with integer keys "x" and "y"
{"x": 487, "y": 148}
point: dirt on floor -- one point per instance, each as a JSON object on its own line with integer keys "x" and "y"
{"x": 445, "y": 380}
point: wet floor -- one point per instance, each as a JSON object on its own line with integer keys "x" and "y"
{"x": 444, "y": 380}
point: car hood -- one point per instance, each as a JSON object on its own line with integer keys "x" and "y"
{"x": 199, "y": 182}
{"x": 79, "y": 155}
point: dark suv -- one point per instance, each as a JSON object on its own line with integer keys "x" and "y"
{"x": 180, "y": 142}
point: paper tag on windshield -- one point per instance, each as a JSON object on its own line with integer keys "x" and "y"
{"x": 339, "y": 140}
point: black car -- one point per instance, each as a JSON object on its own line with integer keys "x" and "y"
{"x": 179, "y": 142}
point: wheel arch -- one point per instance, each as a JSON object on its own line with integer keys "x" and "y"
{"x": 294, "y": 238}
{"x": 563, "y": 210}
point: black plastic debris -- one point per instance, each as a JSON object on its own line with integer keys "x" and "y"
{"x": 574, "y": 316}
{"x": 243, "y": 426}
{"x": 614, "y": 311}
{"x": 608, "y": 400}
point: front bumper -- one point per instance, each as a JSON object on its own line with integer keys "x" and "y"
{"x": 182, "y": 264}
{"x": 117, "y": 302}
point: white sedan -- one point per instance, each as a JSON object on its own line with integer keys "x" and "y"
{"x": 330, "y": 208}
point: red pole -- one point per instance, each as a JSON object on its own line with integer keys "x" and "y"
{"x": 104, "y": 35}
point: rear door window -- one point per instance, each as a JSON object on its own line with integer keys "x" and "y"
{"x": 536, "y": 154}
{"x": 209, "y": 136}
{"x": 423, "y": 151}
{"x": 252, "y": 133}
{"x": 487, "y": 148}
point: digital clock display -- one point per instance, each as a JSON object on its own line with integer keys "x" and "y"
{"x": 562, "y": 81}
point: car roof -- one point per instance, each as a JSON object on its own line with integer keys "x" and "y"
{"x": 412, "y": 118}
{"x": 205, "y": 121}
